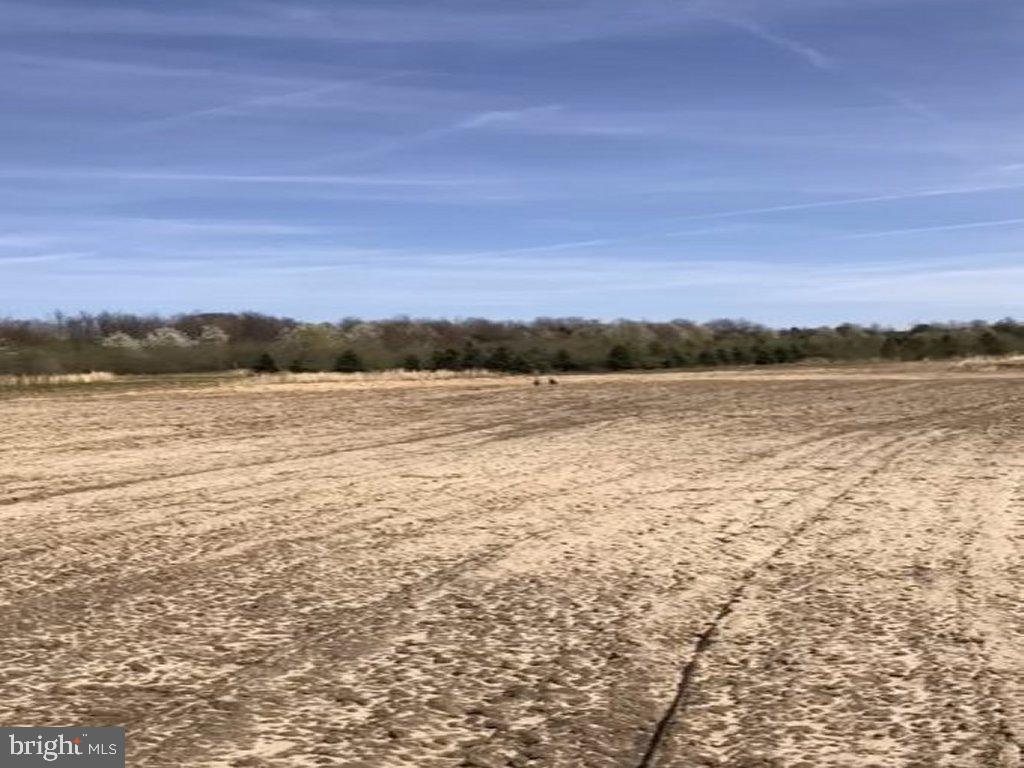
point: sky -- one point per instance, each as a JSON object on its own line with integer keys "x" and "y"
{"x": 792, "y": 162}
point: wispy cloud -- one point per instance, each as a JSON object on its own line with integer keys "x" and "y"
{"x": 909, "y": 104}
{"x": 527, "y": 250}
{"x": 245, "y": 106}
{"x": 661, "y": 235}
{"x": 474, "y": 121}
{"x": 41, "y": 257}
{"x": 920, "y": 285}
{"x": 216, "y": 227}
{"x": 153, "y": 225}
{"x": 25, "y": 240}
{"x": 939, "y": 228}
{"x": 518, "y": 24}
{"x": 913, "y": 195}
{"x": 1010, "y": 168}
{"x": 503, "y": 117}
{"x": 513, "y": 163}
{"x": 141, "y": 68}
{"x": 826, "y": 63}
{"x": 809, "y": 54}
{"x": 236, "y": 178}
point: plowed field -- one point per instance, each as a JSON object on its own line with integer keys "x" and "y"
{"x": 799, "y": 569}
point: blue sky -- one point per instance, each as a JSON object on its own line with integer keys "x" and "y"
{"x": 799, "y": 161}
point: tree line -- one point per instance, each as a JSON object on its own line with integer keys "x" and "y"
{"x": 131, "y": 343}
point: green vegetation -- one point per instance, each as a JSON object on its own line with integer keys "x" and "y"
{"x": 348, "y": 362}
{"x": 620, "y": 358}
{"x": 123, "y": 343}
{"x": 265, "y": 364}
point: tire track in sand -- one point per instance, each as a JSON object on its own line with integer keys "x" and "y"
{"x": 687, "y": 676}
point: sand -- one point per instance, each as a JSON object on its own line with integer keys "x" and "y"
{"x": 800, "y": 568}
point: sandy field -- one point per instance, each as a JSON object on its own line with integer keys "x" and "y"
{"x": 765, "y": 568}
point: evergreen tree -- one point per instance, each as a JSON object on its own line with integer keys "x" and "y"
{"x": 913, "y": 348}
{"x": 620, "y": 358}
{"x": 471, "y": 356}
{"x": 706, "y": 357}
{"x": 348, "y": 362}
{"x": 265, "y": 364}
{"x": 677, "y": 358}
{"x": 562, "y": 361}
{"x": 891, "y": 348}
{"x": 445, "y": 359}
{"x": 762, "y": 355}
{"x": 656, "y": 349}
{"x": 1009, "y": 325}
{"x": 500, "y": 359}
{"x": 214, "y": 341}
{"x": 946, "y": 346}
{"x": 519, "y": 364}
{"x": 991, "y": 344}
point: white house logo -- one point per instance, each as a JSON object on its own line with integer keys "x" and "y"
{"x": 78, "y": 747}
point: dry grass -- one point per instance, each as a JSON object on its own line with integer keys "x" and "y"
{"x": 991, "y": 363}
{"x": 50, "y": 379}
{"x": 397, "y": 374}
{"x": 393, "y": 379}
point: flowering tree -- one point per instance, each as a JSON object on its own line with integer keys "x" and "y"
{"x": 120, "y": 340}
{"x": 167, "y": 337}
{"x": 214, "y": 336}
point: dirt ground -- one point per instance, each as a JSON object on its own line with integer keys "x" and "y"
{"x": 797, "y": 569}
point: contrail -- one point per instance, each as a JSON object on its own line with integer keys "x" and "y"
{"x": 469, "y": 123}
{"x": 812, "y": 56}
{"x": 825, "y": 63}
{"x": 852, "y": 201}
{"x": 312, "y": 179}
{"x": 941, "y": 228}
{"x": 258, "y": 102}
{"x": 783, "y": 208}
